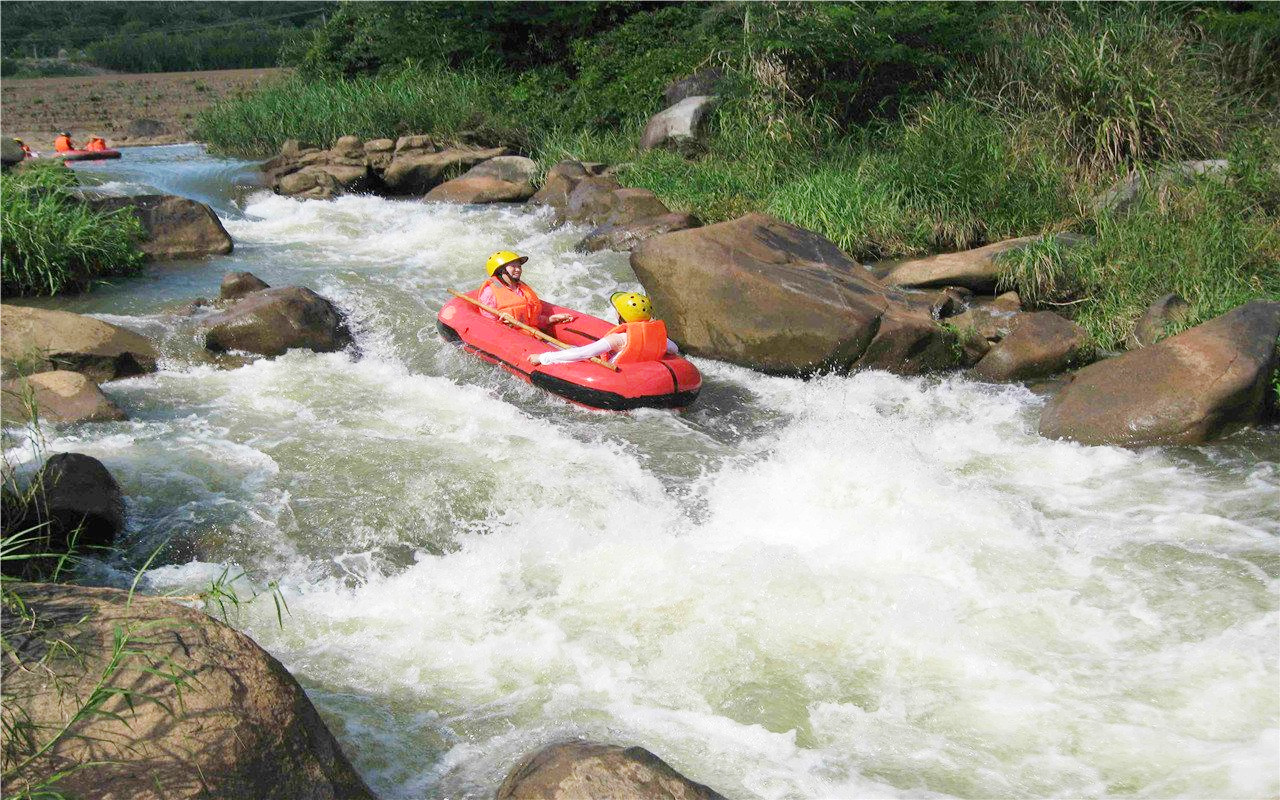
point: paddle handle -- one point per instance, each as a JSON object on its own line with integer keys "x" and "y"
{"x": 530, "y": 329}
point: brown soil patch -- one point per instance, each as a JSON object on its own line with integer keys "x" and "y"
{"x": 34, "y": 109}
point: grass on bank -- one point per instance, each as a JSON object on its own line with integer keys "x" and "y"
{"x": 52, "y": 242}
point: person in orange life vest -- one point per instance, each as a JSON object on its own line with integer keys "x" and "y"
{"x": 637, "y": 337}
{"x": 26, "y": 151}
{"x": 63, "y": 143}
{"x": 515, "y": 301}
{"x": 96, "y": 143}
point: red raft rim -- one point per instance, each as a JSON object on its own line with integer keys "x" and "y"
{"x": 672, "y": 382}
{"x": 85, "y": 155}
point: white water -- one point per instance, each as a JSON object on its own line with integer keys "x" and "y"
{"x": 867, "y": 586}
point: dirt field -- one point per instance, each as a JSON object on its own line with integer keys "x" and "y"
{"x": 34, "y": 109}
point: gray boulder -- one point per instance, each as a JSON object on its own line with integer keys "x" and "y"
{"x": 679, "y": 127}
{"x": 561, "y": 180}
{"x": 591, "y": 201}
{"x": 175, "y": 227}
{"x": 39, "y": 340}
{"x": 270, "y": 322}
{"x": 505, "y": 179}
{"x": 761, "y": 293}
{"x": 703, "y": 82}
{"x": 1187, "y": 389}
{"x": 581, "y": 770}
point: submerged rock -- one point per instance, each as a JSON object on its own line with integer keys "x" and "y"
{"x": 761, "y": 293}
{"x": 175, "y": 227}
{"x": 231, "y": 723}
{"x": 578, "y": 770}
{"x": 270, "y": 322}
{"x": 238, "y": 284}
{"x": 39, "y": 340}
{"x": 58, "y": 396}
{"x": 1186, "y": 389}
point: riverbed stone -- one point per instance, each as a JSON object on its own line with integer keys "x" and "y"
{"x": 175, "y": 227}
{"x": 270, "y": 322}
{"x": 1036, "y": 345}
{"x": 591, "y": 200}
{"x": 679, "y": 127}
{"x": 561, "y": 180}
{"x": 977, "y": 269}
{"x": 238, "y": 284}
{"x": 625, "y": 236}
{"x": 58, "y": 396}
{"x": 1187, "y": 389}
{"x": 39, "y": 340}
{"x": 505, "y": 179}
{"x": 765, "y": 294}
{"x": 79, "y": 499}
{"x": 234, "y": 723}
{"x": 577, "y": 770}
{"x": 416, "y": 172}
{"x": 1164, "y": 312}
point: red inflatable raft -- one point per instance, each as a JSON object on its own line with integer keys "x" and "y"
{"x": 670, "y": 383}
{"x": 86, "y": 155}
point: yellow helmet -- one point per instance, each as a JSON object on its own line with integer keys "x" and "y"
{"x": 501, "y": 259}
{"x": 632, "y": 306}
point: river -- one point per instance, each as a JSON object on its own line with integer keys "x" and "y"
{"x": 862, "y": 586}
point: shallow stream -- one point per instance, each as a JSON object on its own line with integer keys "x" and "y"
{"x": 864, "y": 586}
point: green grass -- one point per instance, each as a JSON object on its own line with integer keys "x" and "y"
{"x": 52, "y": 242}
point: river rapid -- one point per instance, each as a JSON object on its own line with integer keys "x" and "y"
{"x": 862, "y": 586}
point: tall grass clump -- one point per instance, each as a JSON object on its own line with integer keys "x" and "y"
{"x": 415, "y": 99}
{"x": 53, "y": 242}
{"x": 1116, "y": 84}
{"x": 1213, "y": 239}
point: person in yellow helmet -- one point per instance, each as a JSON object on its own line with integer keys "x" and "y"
{"x": 514, "y": 300}
{"x": 637, "y": 336}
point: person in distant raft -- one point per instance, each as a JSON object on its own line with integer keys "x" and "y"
{"x": 637, "y": 337}
{"x": 514, "y": 301}
{"x": 63, "y": 142}
{"x": 96, "y": 143}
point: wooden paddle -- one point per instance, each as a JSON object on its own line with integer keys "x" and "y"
{"x": 551, "y": 340}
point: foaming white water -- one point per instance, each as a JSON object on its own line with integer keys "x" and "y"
{"x": 851, "y": 587}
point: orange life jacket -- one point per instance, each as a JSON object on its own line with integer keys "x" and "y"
{"x": 646, "y": 341}
{"x": 26, "y": 148}
{"x": 63, "y": 144}
{"x": 524, "y": 305}
{"x": 96, "y": 143}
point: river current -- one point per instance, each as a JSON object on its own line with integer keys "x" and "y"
{"x": 862, "y": 586}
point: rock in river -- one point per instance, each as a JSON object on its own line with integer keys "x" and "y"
{"x": 232, "y": 722}
{"x": 175, "y": 226}
{"x": 1186, "y": 389}
{"x": 58, "y": 396}
{"x": 39, "y": 340}
{"x": 578, "y": 770}
{"x": 272, "y": 321}
{"x": 762, "y": 293}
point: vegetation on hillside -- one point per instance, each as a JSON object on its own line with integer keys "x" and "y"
{"x": 52, "y": 241}
{"x": 895, "y": 129}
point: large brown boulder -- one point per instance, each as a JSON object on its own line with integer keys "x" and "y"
{"x": 324, "y": 180}
{"x": 57, "y": 396}
{"x": 976, "y": 269}
{"x": 762, "y": 293}
{"x": 40, "y": 340}
{"x": 272, "y": 321}
{"x": 417, "y": 172}
{"x": 505, "y": 179}
{"x": 589, "y": 771}
{"x": 193, "y": 708}
{"x": 625, "y": 236}
{"x": 1186, "y": 389}
{"x": 175, "y": 227}
{"x": 1036, "y": 345}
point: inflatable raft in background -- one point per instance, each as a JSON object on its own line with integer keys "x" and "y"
{"x": 672, "y": 382}
{"x": 84, "y": 155}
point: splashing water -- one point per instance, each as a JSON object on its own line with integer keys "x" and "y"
{"x": 863, "y": 586}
